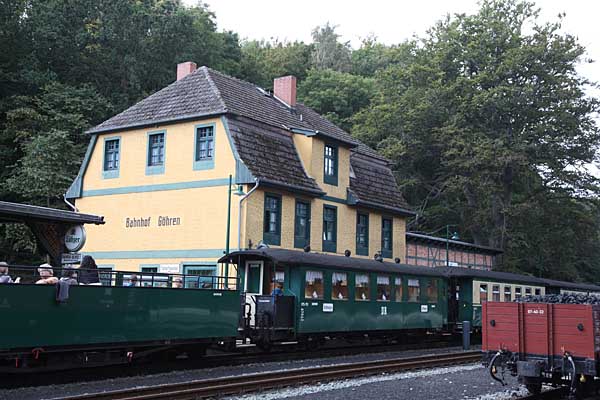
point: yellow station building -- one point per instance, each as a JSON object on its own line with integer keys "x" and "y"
{"x": 159, "y": 174}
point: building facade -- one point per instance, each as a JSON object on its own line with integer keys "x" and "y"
{"x": 431, "y": 251}
{"x": 159, "y": 172}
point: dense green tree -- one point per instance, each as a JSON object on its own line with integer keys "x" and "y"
{"x": 336, "y": 95}
{"x": 373, "y": 56}
{"x": 67, "y": 65}
{"x": 485, "y": 119}
{"x": 328, "y": 52}
{"x": 262, "y": 61}
{"x": 487, "y": 123}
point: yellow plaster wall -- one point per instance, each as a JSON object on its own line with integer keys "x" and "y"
{"x": 202, "y": 213}
{"x": 254, "y": 214}
{"x": 304, "y": 146}
{"x": 179, "y": 157}
{"x": 399, "y": 238}
{"x": 317, "y": 168}
{"x": 374, "y": 233}
{"x": 346, "y": 225}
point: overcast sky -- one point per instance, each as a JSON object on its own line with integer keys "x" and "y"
{"x": 391, "y": 21}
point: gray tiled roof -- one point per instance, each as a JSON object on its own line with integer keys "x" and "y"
{"x": 374, "y": 185}
{"x": 208, "y": 92}
{"x": 265, "y": 145}
{"x": 191, "y": 97}
{"x": 270, "y": 155}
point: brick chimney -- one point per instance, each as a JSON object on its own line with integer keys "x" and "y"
{"x": 284, "y": 89}
{"x": 185, "y": 68}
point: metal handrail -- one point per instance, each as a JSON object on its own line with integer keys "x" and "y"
{"x": 117, "y": 278}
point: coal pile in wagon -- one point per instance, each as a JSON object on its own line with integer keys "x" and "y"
{"x": 561, "y": 299}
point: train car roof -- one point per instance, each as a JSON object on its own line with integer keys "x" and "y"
{"x": 461, "y": 272}
{"x": 296, "y": 257}
{"x": 588, "y": 287}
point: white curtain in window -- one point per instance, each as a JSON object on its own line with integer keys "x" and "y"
{"x": 413, "y": 282}
{"x": 338, "y": 277}
{"x": 398, "y": 281}
{"x": 279, "y": 276}
{"x": 362, "y": 279}
{"x": 383, "y": 280}
{"x": 311, "y": 276}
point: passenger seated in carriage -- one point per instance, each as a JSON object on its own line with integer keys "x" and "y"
{"x": 278, "y": 290}
{"x": 69, "y": 276}
{"x": 46, "y": 275}
{"x": 133, "y": 281}
{"x": 177, "y": 282}
{"x": 4, "y": 276}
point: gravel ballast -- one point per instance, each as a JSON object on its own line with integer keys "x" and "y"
{"x": 54, "y": 391}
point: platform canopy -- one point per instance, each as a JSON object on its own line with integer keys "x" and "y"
{"x": 49, "y": 225}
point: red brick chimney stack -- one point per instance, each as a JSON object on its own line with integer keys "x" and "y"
{"x": 185, "y": 68}
{"x": 284, "y": 89}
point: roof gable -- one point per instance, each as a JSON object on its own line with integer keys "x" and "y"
{"x": 270, "y": 155}
{"x": 194, "y": 96}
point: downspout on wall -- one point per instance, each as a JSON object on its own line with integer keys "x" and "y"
{"x": 240, "y": 213}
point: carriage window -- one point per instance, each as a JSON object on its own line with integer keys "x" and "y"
{"x": 528, "y": 291}
{"x": 496, "y": 293}
{"x": 277, "y": 280}
{"x": 538, "y": 291}
{"x": 507, "y": 293}
{"x": 383, "y": 288}
{"x": 339, "y": 284}
{"x": 432, "y": 291}
{"x": 314, "y": 285}
{"x": 361, "y": 287}
{"x": 483, "y": 293}
{"x": 517, "y": 293}
{"x": 398, "y": 288}
{"x": 414, "y": 290}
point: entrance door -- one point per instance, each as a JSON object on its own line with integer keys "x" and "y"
{"x": 254, "y": 277}
{"x": 253, "y": 284}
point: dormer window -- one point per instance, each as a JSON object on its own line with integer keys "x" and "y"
{"x": 331, "y": 165}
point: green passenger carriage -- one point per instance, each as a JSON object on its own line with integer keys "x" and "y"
{"x": 328, "y": 295}
{"x": 113, "y": 323}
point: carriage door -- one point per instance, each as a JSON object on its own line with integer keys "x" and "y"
{"x": 453, "y": 301}
{"x": 253, "y": 284}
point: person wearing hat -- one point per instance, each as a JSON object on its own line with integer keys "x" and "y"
{"x": 46, "y": 275}
{"x": 4, "y": 276}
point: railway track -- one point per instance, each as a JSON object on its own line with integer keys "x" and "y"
{"x": 270, "y": 380}
{"x": 552, "y": 394}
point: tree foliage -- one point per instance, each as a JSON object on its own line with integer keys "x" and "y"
{"x": 336, "y": 95}
{"x": 329, "y": 52}
{"x": 485, "y": 119}
{"x": 489, "y": 126}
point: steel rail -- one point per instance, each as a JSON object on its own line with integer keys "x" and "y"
{"x": 270, "y": 380}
